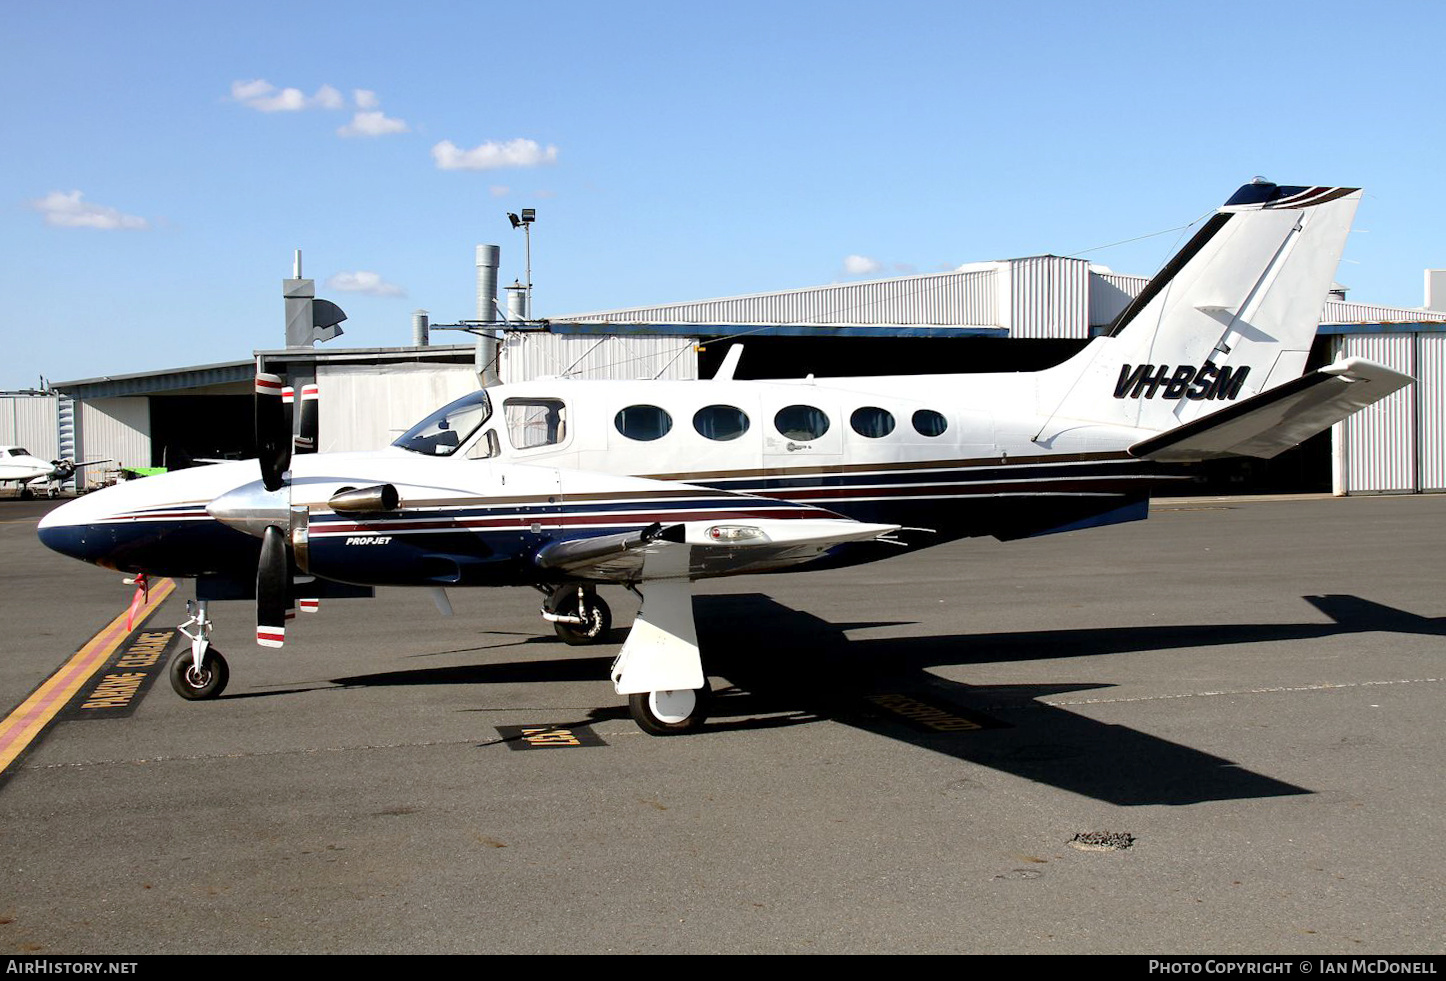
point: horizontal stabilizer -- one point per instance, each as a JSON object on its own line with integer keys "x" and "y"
{"x": 1275, "y": 420}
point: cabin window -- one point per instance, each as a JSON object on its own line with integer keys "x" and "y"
{"x": 720, "y": 422}
{"x": 442, "y": 432}
{"x": 873, "y": 422}
{"x": 535, "y": 422}
{"x": 927, "y": 422}
{"x": 19, "y": 451}
{"x": 801, "y": 422}
{"x": 643, "y": 422}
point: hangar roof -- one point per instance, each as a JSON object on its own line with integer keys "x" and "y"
{"x": 167, "y": 381}
{"x": 1042, "y": 296}
{"x": 237, "y": 377}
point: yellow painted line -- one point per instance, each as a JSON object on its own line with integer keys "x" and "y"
{"x": 25, "y": 723}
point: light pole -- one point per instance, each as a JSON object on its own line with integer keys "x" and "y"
{"x": 529, "y": 215}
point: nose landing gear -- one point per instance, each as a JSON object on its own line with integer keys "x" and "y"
{"x": 201, "y": 672}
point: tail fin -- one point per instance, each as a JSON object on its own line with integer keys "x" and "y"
{"x": 1230, "y": 316}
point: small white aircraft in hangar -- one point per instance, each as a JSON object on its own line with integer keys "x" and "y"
{"x": 19, "y": 466}
{"x": 567, "y": 485}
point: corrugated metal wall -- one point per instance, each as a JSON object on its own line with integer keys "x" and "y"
{"x": 1346, "y": 312}
{"x": 535, "y": 354}
{"x": 116, "y": 429}
{"x": 961, "y": 298}
{"x": 1431, "y": 404}
{"x": 1376, "y": 449}
{"x": 380, "y": 402}
{"x": 1049, "y": 296}
{"x": 1110, "y": 293}
{"x": 30, "y": 421}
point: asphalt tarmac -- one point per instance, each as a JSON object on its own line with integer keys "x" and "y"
{"x": 1246, "y": 693}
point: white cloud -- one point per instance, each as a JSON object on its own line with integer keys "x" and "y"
{"x": 366, "y": 99}
{"x": 492, "y": 156}
{"x": 500, "y": 190}
{"x": 372, "y": 123}
{"x": 64, "y": 210}
{"x": 362, "y": 281}
{"x": 261, "y": 95}
{"x": 861, "y": 265}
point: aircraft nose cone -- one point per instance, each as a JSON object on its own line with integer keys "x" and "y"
{"x": 65, "y": 531}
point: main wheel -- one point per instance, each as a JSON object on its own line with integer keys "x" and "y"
{"x": 670, "y": 713}
{"x": 194, "y": 685}
{"x": 597, "y": 618}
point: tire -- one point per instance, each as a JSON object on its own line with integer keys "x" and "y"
{"x": 598, "y": 619}
{"x": 208, "y": 684}
{"x": 667, "y": 713}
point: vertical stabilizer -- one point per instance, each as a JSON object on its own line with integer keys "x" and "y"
{"x": 1231, "y": 315}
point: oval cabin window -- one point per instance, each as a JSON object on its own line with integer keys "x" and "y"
{"x": 801, "y": 422}
{"x": 927, "y": 422}
{"x": 873, "y": 422}
{"x": 720, "y": 422}
{"x": 643, "y": 422}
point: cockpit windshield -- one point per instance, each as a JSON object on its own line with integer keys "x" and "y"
{"x": 442, "y": 432}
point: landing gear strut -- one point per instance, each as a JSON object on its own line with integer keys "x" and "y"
{"x": 578, "y": 614}
{"x": 201, "y": 672}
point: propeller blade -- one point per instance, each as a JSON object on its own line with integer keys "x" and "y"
{"x": 273, "y": 430}
{"x": 307, "y": 435}
{"x": 273, "y": 589}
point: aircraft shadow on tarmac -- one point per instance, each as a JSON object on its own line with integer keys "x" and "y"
{"x": 788, "y": 667}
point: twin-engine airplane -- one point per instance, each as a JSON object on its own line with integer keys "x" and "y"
{"x": 19, "y": 466}
{"x": 567, "y": 485}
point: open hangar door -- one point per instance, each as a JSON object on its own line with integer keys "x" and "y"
{"x": 189, "y": 428}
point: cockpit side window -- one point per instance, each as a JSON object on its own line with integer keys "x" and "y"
{"x": 485, "y": 448}
{"x": 535, "y": 422}
{"x": 442, "y": 432}
{"x": 19, "y": 451}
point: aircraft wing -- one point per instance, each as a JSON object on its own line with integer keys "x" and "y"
{"x": 703, "y": 549}
{"x": 1275, "y": 420}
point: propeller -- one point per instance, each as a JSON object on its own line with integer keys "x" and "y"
{"x": 273, "y": 588}
{"x": 269, "y": 514}
{"x": 310, "y": 423}
{"x": 273, "y": 430}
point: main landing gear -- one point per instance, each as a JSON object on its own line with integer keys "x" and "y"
{"x": 201, "y": 672}
{"x": 659, "y": 667}
{"x": 578, "y": 614}
{"x": 670, "y": 713}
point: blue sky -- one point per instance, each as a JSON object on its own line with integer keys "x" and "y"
{"x": 163, "y": 160}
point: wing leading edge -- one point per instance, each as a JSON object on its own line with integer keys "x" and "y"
{"x": 703, "y": 549}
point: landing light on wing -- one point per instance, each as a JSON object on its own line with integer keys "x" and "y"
{"x": 735, "y": 533}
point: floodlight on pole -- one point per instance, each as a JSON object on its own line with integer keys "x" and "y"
{"x": 529, "y": 215}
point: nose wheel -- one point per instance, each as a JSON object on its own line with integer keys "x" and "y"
{"x": 199, "y": 683}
